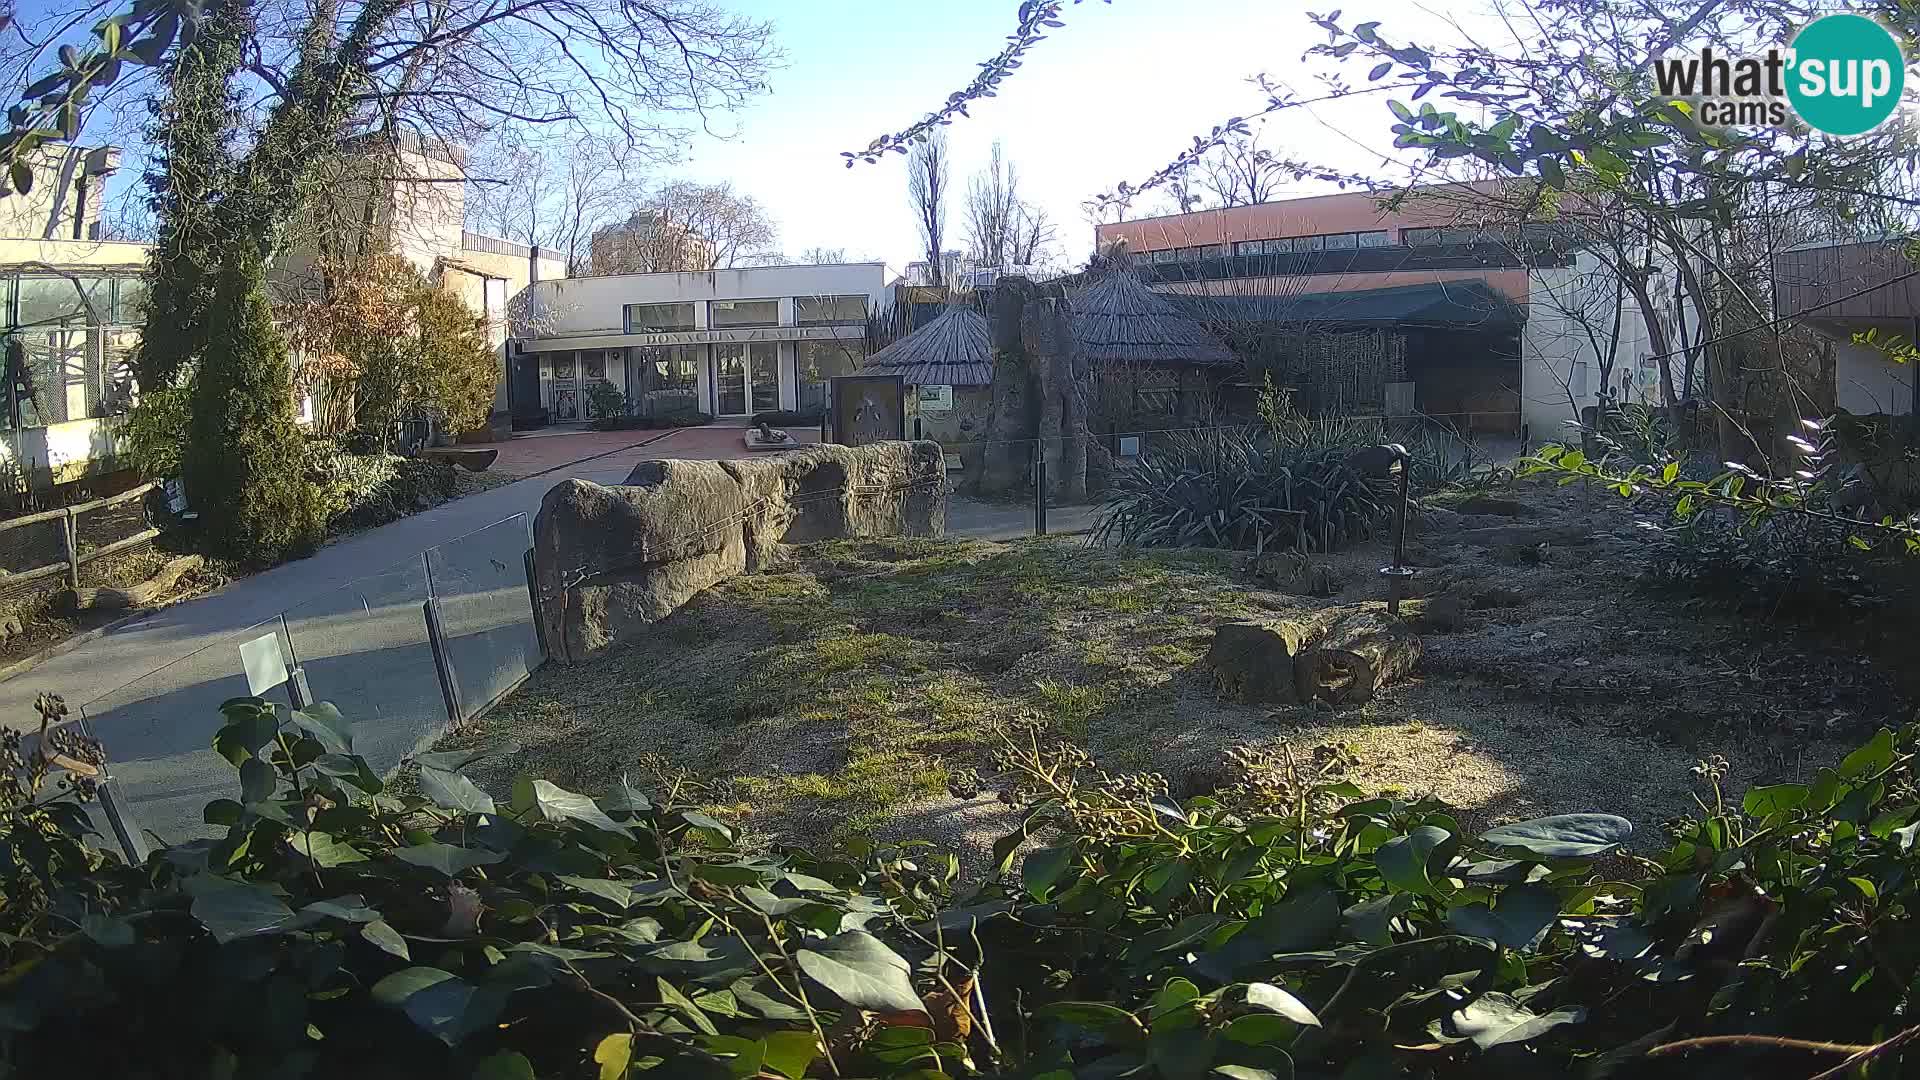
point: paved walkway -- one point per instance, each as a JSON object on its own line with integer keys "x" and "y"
{"x": 353, "y": 619}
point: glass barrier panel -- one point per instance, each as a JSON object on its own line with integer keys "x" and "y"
{"x": 487, "y": 632}
{"x": 364, "y": 648}
{"x": 158, "y": 733}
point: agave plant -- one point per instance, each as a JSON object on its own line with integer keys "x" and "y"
{"x": 1238, "y": 488}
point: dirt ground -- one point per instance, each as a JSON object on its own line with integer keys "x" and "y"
{"x": 859, "y": 687}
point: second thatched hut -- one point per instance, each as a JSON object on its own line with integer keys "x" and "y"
{"x": 947, "y": 368}
{"x": 1154, "y": 364}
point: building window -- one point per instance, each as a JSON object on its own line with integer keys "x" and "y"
{"x": 722, "y": 314}
{"x": 673, "y": 379}
{"x": 1166, "y": 255}
{"x": 1422, "y": 237}
{"x": 1376, "y": 238}
{"x": 1313, "y": 243}
{"x": 820, "y": 361}
{"x": 1188, "y": 254}
{"x": 1214, "y": 251}
{"x": 659, "y": 318}
{"x": 1250, "y": 247}
{"x": 829, "y": 310}
{"x": 1341, "y": 242}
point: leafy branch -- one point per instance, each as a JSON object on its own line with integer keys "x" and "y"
{"x": 1035, "y": 17}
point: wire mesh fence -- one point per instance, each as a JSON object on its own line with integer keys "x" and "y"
{"x": 405, "y": 654}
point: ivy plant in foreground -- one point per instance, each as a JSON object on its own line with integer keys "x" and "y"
{"x": 1287, "y": 925}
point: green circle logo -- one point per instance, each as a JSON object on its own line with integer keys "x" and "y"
{"x": 1846, "y": 74}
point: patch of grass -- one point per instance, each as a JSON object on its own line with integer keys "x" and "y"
{"x": 855, "y": 678}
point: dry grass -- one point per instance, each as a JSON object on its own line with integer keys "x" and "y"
{"x": 848, "y": 689}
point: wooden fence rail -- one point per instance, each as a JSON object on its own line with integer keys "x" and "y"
{"x": 68, "y": 518}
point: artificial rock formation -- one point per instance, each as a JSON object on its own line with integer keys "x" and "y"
{"x": 610, "y": 561}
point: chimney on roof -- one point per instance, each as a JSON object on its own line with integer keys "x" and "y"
{"x": 533, "y": 263}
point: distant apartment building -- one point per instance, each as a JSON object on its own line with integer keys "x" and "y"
{"x": 70, "y": 315}
{"x": 730, "y": 343}
{"x": 648, "y": 242}
{"x": 1404, "y": 307}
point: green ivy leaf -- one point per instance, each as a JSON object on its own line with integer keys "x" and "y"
{"x": 1274, "y": 999}
{"x": 1869, "y": 759}
{"x": 671, "y": 997}
{"x": 1043, "y": 868}
{"x": 1176, "y": 993}
{"x": 1406, "y": 862}
{"x": 1774, "y": 799}
{"x": 446, "y": 858}
{"x": 613, "y": 1055}
{"x": 789, "y": 1053}
{"x": 324, "y": 849}
{"x": 1522, "y": 918}
{"x": 862, "y": 972}
{"x": 1495, "y": 1019}
{"x": 505, "y": 1065}
{"x": 1369, "y": 920}
{"x": 324, "y": 722}
{"x": 558, "y": 804}
{"x": 232, "y": 909}
{"x": 440, "y": 1003}
{"x": 1087, "y": 1014}
{"x": 385, "y": 938}
{"x": 451, "y": 791}
{"x": 257, "y": 781}
{"x": 1563, "y": 836}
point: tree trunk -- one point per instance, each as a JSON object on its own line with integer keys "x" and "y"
{"x": 1043, "y": 331}
{"x": 1003, "y": 457}
{"x": 1358, "y": 655}
{"x": 1077, "y": 399}
{"x": 138, "y": 595}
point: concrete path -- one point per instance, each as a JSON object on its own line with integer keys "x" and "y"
{"x": 352, "y": 617}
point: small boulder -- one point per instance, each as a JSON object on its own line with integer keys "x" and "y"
{"x": 1441, "y": 615}
{"x": 1253, "y": 661}
{"x": 1495, "y": 506}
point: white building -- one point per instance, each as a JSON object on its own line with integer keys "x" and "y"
{"x": 730, "y": 343}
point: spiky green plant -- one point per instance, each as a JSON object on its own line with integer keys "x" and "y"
{"x": 1239, "y": 488}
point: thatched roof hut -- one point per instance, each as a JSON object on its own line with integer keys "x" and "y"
{"x": 955, "y": 349}
{"x": 1119, "y": 320}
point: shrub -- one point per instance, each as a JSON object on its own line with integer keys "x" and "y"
{"x": 676, "y": 419}
{"x": 338, "y": 926}
{"x": 460, "y": 366}
{"x": 361, "y": 490}
{"x": 243, "y": 458}
{"x": 1234, "y": 488}
{"x": 605, "y": 400}
{"x": 155, "y": 430}
{"x": 790, "y": 418}
{"x": 1786, "y": 565}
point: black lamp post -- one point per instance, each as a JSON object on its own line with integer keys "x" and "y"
{"x": 1379, "y": 463}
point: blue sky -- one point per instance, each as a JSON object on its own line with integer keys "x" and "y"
{"x": 1110, "y": 97}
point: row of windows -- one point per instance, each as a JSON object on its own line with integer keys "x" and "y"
{"x": 1490, "y": 234}
{"x": 44, "y": 301}
{"x": 740, "y": 314}
{"x": 1289, "y": 245}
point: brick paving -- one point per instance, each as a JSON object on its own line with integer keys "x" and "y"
{"x": 537, "y": 453}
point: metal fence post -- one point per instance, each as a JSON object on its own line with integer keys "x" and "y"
{"x": 436, "y": 640}
{"x": 533, "y": 603}
{"x": 1039, "y": 489}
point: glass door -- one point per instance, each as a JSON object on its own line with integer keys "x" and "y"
{"x": 763, "y": 361}
{"x": 730, "y": 380}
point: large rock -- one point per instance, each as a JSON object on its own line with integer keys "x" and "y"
{"x": 610, "y": 561}
{"x": 830, "y": 492}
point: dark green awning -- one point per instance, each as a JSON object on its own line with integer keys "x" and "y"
{"x": 1458, "y": 304}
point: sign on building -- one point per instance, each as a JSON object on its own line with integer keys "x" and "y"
{"x": 936, "y": 399}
